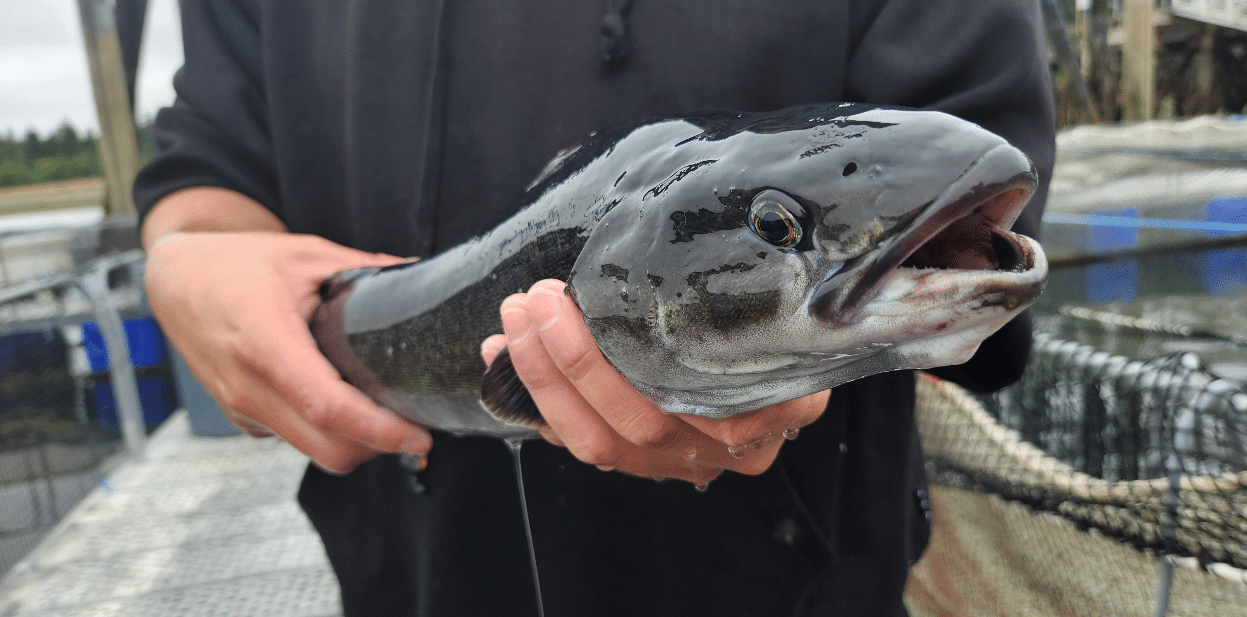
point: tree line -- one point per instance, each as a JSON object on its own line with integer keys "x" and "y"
{"x": 63, "y": 155}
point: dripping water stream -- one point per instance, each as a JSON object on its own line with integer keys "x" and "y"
{"x": 514, "y": 444}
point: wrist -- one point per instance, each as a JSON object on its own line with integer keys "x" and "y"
{"x": 206, "y": 208}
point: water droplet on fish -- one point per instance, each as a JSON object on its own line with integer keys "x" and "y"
{"x": 389, "y": 351}
{"x": 737, "y": 451}
{"x": 844, "y": 447}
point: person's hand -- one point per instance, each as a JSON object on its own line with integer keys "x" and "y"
{"x": 603, "y": 421}
{"x": 236, "y": 305}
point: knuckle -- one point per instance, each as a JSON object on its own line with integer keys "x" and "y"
{"x": 246, "y": 352}
{"x": 812, "y": 407}
{"x": 532, "y": 370}
{"x": 232, "y": 401}
{"x": 649, "y": 433}
{"x": 317, "y": 413}
{"x": 392, "y": 442}
{"x": 338, "y": 463}
{"x": 576, "y": 363}
{"x": 236, "y": 401}
{"x": 343, "y": 457}
{"x": 536, "y": 376}
{"x": 596, "y": 452}
{"x": 748, "y": 429}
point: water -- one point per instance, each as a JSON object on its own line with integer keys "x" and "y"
{"x": 1200, "y": 290}
{"x": 514, "y": 444}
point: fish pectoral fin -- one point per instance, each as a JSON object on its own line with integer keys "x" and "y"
{"x": 505, "y": 397}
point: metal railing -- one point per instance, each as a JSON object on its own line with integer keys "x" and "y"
{"x": 55, "y": 444}
{"x": 93, "y": 284}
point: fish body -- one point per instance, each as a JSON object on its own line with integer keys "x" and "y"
{"x": 722, "y": 262}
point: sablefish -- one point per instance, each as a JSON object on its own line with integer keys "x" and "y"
{"x": 722, "y": 261}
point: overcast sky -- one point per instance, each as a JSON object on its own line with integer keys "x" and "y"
{"x": 43, "y": 66}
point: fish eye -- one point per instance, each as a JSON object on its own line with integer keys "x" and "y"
{"x": 774, "y": 220}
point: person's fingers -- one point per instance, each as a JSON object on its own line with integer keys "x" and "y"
{"x": 743, "y": 431}
{"x": 574, "y": 352}
{"x": 582, "y": 431}
{"x": 571, "y": 346}
{"x": 492, "y": 346}
{"x": 333, "y": 453}
{"x": 312, "y": 259}
{"x": 249, "y": 426}
{"x": 603, "y": 421}
{"x": 308, "y": 383}
{"x": 236, "y": 305}
{"x": 573, "y": 421}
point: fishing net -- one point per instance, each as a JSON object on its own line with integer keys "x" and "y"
{"x": 1097, "y": 485}
{"x": 59, "y": 423}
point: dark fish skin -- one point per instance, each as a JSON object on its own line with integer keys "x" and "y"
{"x": 723, "y": 261}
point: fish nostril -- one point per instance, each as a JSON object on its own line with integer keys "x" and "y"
{"x": 849, "y": 169}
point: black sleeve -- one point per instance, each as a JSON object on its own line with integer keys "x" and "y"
{"x": 985, "y": 61}
{"x": 216, "y": 133}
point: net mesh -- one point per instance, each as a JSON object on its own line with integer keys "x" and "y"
{"x": 1063, "y": 494}
{"x": 58, "y": 424}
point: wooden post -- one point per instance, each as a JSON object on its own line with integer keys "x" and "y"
{"x": 1138, "y": 74}
{"x": 119, "y": 149}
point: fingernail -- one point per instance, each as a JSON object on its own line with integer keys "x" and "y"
{"x": 516, "y": 321}
{"x": 514, "y": 302}
{"x": 689, "y": 455}
{"x": 552, "y": 287}
{"x": 556, "y": 307}
{"x": 605, "y": 468}
{"x": 791, "y": 433}
{"x": 737, "y": 451}
{"x": 417, "y": 446}
{"x": 701, "y": 488}
{"x": 415, "y": 462}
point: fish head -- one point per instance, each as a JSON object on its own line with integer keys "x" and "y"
{"x": 765, "y": 257}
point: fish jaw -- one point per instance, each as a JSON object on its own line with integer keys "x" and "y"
{"x": 953, "y": 278}
{"x": 938, "y": 317}
{"x": 965, "y": 229}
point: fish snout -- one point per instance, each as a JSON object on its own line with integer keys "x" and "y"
{"x": 964, "y": 230}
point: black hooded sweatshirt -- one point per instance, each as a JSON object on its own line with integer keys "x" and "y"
{"x": 407, "y": 127}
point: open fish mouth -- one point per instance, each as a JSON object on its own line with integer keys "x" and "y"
{"x": 960, "y": 248}
{"x": 971, "y": 234}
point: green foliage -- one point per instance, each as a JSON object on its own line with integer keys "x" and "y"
{"x": 63, "y": 155}
{"x": 1068, "y": 10}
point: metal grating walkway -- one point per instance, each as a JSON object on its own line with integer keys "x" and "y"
{"x": 204, "y": 526}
